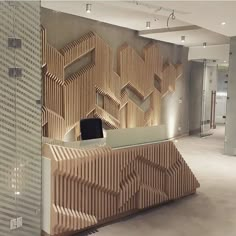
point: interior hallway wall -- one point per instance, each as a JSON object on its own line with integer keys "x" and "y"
{"x": 63, "y": 28}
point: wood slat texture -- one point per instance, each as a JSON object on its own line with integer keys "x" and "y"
{"x": 94, "y": 185}
{"x": 53, "y": 124}
{"x": 75, "y": 97}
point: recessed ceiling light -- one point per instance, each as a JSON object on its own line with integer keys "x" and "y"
{"x": 225, "y": 61}
{"x": 223, "y": 23}
{"x": 183, "y": 39}
{"x": 148, "y": 24}
{"x": 204, "y": 44}
{"x": 88, "y": 8}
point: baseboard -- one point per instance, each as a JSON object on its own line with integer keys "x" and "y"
{"x": 195, "y": 131}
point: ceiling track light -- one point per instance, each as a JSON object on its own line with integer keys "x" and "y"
{"x": 183, "y": 39}
{"x": 204, "y": 45}
{"x": 88, "y": 8}
{"x": 148, "y": 24}
{"x": 172, "y": 17}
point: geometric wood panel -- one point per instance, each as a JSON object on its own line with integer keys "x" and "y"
{"x": 95, "y": 185}
{"x": 75, "y": 97}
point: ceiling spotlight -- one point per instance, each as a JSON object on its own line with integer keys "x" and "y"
{"x": 148, "y": 24}
{"x": 183, "y": 39}
{"x": 88, "y": 8}
{"x": 223, "y": 23}
{"x": 171, "y": 16}
{"x": 225, "y": 61}
{"x": 204, "y": 44}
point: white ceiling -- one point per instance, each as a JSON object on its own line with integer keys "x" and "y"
{"x": 207, "y": 14}
{"x": 125, "y": 14}
{"x": 135, "y": 14}
{"x": 192, "y": 37}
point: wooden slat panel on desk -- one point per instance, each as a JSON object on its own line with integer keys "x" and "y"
{"x": 160, "y": 170}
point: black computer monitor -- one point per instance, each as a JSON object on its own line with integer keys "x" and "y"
{"x": 91, "y": 128}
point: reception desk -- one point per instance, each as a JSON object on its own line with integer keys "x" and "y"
{"x": 90, "y": 182}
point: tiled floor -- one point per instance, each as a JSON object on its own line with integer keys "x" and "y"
{"x": 211, "y": 212}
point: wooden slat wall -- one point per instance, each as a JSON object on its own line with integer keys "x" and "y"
{"x": 55, "y": 125}
{"x": 76, "y": 49}
{"x": 53, "y": 95}
{"x": 124, "y": 97}
{"x": 123, "y": 116}
{"x": 153, "y": 65}
{"x": 115, "y": 85}
{"x": 169, "y": 78}
{"x": 153, "y": 59}
{"x": 156, "y": 107}
{"x": 55, "y": 62}
{"x": 94, "y": 185}
{"x": 137, "y": 72}
{"x": 104, "y": 64}
{"x": 74, "y": 98}
{"x": 110, "y": 104}
{"x": 131, "y": 70}
{"x": 179, "y": 70}
{"x": 110, "y": 121}
{"x": 135, "y": 116}
{"x": 44, "y": 116}
{"x": 148, "y": 117}
{"x": 111, "y": 107}
{"x": 80, "y": 95}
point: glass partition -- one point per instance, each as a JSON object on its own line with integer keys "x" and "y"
{"x": 20, "y": 118}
